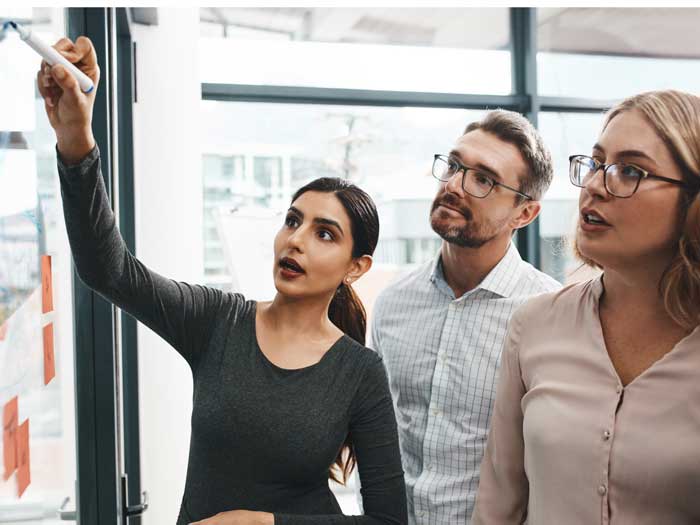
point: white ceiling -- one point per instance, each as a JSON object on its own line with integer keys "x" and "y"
{"x": 653, "y": 32}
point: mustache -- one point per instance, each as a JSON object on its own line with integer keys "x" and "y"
{"x": 453, "y": 202}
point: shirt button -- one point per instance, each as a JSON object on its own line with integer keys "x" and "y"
{"x": 606, "y": 435}
{"x": 602, "y": 490}
{"x": 436, "y": 412}
{"x": 618, "y": 389}
{"x": 419, "y": 513}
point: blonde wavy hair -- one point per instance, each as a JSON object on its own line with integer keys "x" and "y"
{"x": 675, "y": 117}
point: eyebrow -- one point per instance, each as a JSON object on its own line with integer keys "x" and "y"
{"x": 318, "y": 220}
{"x": 627, "y": 153}
{"x": 479, "y": 165}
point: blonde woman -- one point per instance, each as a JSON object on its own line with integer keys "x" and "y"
{"x": 597, "y": 417}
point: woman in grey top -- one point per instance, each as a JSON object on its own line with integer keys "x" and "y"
{"x": 285, "y": 393}
{"x": 597, "y": 415}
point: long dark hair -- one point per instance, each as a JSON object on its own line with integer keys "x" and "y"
{"x": 346, "y": 310}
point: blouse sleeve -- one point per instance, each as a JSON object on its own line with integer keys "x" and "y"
{"x": 180, "y": 313}
{"x": 503, "y": 487}
{"x": 376, "y": 443}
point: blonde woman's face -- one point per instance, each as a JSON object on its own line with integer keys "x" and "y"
{"x": 641, "y": 229}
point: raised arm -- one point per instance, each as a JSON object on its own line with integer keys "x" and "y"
{"x": 180, "y": 313}
{"x": 503, "y": 487}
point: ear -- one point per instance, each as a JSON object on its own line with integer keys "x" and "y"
{"x": 529, "y": 210}
{"x": 359, "y": 267}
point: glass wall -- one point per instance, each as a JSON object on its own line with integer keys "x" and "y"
{"x": 36, "y": 324}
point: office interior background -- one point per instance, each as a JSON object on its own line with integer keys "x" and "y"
{"x": 208, "y": 119}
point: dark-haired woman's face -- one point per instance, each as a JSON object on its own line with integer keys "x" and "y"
{"x": 313, "y": 249}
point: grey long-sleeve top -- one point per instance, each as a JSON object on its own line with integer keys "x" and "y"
{"x": 263, "y": 437}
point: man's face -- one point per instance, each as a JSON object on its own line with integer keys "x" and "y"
{"x": 468, "y": 221}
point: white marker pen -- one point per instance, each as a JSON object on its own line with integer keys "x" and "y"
{"x": 52, "y": 56}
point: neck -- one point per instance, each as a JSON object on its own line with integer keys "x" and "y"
{"x": 307, "y": 317}
{"x": 465, "y": 268}
{"x": 635, "y": 288}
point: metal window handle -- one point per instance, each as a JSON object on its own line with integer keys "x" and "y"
{"x": 135, "y": 510}
{"x": 131, "y": 510}
{"x": 66, "y": 515}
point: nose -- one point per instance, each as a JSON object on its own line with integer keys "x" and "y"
{"x": 454, "y": 184}
{"x": 595, "y": 185}
{"x": 296, "y": 240}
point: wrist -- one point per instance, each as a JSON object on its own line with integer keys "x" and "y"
{"x": 266, "y": 518}
{"x": 74, "y": 146}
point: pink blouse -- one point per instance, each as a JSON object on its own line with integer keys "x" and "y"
{"x": 570, "y": 445}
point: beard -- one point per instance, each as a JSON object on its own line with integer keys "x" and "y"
{"x": 467, "y": 233}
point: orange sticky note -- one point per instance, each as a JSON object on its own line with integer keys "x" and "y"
{"x": 23, "y": 474}
{"x": 46, "y": 284}
{"x": 9, "y": 436}
{"x": 3, "y": 331}
{"x": 49, "y": 363}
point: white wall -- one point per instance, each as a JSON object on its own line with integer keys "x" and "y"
{"x": 168, "y": 193}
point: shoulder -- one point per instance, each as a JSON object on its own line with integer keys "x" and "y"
{"x": 533, "y": 281}
{"x": 361, "y": 361}
{"x": 360, "y": 355}
{"x": 546, "y": 307}
{"x": 370, "y": 383}
{"x": 234, "y": 306}
{"x": 407, "y": 283}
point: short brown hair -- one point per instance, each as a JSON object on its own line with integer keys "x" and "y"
{"x": 515, "y": 129}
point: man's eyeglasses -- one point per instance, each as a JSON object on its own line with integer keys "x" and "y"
{"x": 474, "y": 182}
{"x": 620, "y": 179}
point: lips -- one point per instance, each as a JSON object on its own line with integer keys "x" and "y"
{"x": 592, "y": 222}
{"x": 290, "y": 265}
{"x": 445, "y": 204}
{"x": 593, "y": 217}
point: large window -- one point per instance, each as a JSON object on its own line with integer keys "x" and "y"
{"x": 613, "y": 53}
{"x": 400, "y": 49}
{"x": 31, "y": 228}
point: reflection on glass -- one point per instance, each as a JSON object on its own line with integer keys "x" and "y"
{"x": 31, "y": 225}
{"x": 614, "y": 53}
{"x": 406, "y": 49}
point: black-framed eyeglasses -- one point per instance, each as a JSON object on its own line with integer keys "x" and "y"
{"x": 620, "y": 179}
{"x": 476, "y": 183}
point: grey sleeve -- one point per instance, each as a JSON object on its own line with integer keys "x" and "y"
{"x": 180, "y": 313}
{"x": 375, "y": 440}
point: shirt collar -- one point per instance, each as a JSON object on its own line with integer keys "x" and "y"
{"x": 502, "y": 280}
